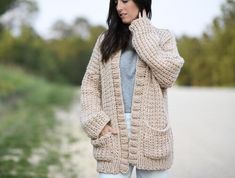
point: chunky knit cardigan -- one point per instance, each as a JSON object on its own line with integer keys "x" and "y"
{"x": 150, "y": 146}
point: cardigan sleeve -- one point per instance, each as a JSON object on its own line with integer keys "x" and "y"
{"x": 92, "y": 118}
{"x": 158, "y": 50}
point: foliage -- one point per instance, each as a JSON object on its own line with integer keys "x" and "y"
{"x": 5, "y": 5}
{"x": 27, "y": 106}
{"x": 210, "y": 59}
{"x": 62, "y": 59}
{"x": 17, "y": 13}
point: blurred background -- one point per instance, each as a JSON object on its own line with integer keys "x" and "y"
{"x": 45, "y": 47}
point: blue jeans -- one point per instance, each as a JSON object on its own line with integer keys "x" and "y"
{"x": 139, "y": 173}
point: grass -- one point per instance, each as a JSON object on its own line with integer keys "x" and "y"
{"x": 27, "y": 105}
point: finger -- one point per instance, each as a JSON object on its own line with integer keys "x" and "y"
{"x": 139, "y": 14}
{"x": 104, "y": 133}
{"x": 110, "y": 129}
{"x": 105, "y": 130}
{"x": 114, "y": 131}
{"x": 144, "y": 13}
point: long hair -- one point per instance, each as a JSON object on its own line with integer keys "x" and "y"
{"x": 118, "y": 34}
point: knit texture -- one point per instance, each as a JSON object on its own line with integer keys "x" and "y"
{"x": 150, "y": 146}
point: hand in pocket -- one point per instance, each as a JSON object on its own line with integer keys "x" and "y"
{"x": 107, "y": 128}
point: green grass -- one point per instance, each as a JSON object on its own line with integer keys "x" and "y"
{"x": 27, "y": 105}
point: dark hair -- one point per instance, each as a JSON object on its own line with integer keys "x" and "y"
{"x": 118, "y": 34}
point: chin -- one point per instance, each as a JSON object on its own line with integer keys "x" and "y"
{"x": 126, "y": 21}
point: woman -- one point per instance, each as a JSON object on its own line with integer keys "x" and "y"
{"x": 124, "y": 94}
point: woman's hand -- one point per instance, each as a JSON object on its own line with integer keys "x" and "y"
{"x": 144, "y": 14}
{"x": 107, "y": 128}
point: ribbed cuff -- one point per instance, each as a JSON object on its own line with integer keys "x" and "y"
{"x": 141, "y": 25}
{"x": 95, "y": 125}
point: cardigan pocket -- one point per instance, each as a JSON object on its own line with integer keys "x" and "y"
{"x": 157, "y": 143}
{"x": 103, "y": 147}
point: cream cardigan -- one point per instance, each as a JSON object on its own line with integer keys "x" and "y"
{"x": 150, "y": 146}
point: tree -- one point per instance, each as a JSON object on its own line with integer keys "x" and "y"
{"x": 210, "y": 59}
{"x": 21, "y": 13}
{"x": 5, "y": 5}
{"x": 79, "y": 28}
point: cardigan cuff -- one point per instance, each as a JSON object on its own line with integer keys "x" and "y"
{"x": 142, "y": 26}
{"x": 95, "y": 125}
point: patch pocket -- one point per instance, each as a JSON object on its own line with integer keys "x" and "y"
{"x": 158, "y": 144}
{"x": 103, "y": 147}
